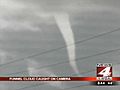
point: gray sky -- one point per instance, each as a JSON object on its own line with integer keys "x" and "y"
{"x": 29, "y": 26}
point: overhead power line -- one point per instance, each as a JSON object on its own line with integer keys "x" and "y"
{"x": 63, "y": 62}
{"x": 59, "y": 48}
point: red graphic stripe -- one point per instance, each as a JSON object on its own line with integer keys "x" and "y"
{"x": 47, "y": 78}
{"x": 116, "y": 78}
{"x": 53, "y": 79}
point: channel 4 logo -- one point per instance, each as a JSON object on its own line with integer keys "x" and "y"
{"x": 104, "y": 74}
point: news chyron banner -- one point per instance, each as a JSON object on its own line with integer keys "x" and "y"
{"x": 104, "y": 76}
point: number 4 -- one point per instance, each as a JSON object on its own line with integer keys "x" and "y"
{"x": 105, "y": 72}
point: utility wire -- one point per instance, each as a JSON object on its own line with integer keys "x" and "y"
{"x": 37, "y": 85}
{"x": 52, "y": 50}
{"x": 63, "y": 62}
{"x": 59, "y": 48}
